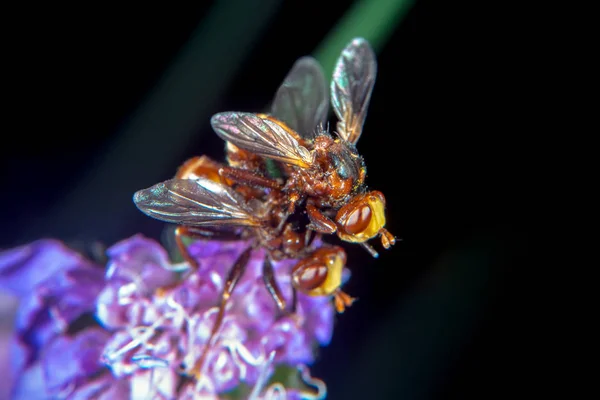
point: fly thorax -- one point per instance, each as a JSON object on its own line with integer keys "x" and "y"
{"x": 347, "y": 169}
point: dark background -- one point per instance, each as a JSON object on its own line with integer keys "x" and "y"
{"x": 445, "y": 313}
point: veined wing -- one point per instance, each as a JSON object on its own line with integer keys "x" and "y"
{"x": 351, "y": 88}
{"x": 261, "y": 135}
{"x": 302, "y": 100}
{"x": 195, "y": 202}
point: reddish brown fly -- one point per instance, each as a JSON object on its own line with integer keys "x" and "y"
{"x": 287, "y": 181}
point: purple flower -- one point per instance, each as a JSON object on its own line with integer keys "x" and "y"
{"x": 139, "y": 327}
{"x": 53, "y": 352}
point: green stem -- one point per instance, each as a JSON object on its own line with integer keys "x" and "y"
{"x": 374, "y": 20}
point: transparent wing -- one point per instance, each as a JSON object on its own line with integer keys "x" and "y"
{"x": 195, "y": 202}
{"x": 351, "y": 87}
{"x": 302, "y": 100}
{"x": 261, "y": 135}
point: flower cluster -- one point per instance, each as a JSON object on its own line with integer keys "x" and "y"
{"x": 135, "y": 327}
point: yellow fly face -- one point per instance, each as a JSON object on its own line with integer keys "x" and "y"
{"x": 362, "y": 218}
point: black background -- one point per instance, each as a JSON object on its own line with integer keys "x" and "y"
{"x": 444, "y": 314}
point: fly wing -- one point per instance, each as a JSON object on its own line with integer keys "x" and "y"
{"x": 195, "y": 202}
{"x": 302, "y": 100}
{"x": 262, "y": 135}
{"x": 351, "y": 88}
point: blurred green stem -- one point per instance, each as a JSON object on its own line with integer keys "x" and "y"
{"x": 374, "y": 20}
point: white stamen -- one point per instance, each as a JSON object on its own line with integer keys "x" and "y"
{"x": 125, "y": 292}
{"x": 146, "y": 361}
{"x": 221, "y": 360}
{"x": 221, "y": 372}
{"x": 275, "y": 392}
{"x": 235, "y": 348}
{"x": 262, "y": 377}
{"x": 314, "y": 382}
{"x": 179, "y": 313}
{"x": 140, "y": 336}
{"x": 136, "y": 281}
{"x": 204, "y": 385}
{"x": 178, "y": 267}
{"x": 245, "y": 354}
{"x": 216, "y": 279}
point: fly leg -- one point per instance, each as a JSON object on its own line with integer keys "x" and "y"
{"x": 342, "y": 300}
{"x": 370, "y": 249}
{"x": 387, "y": 239}
{"x": 198, "y": 233}
{"x": 248, "y": 178}
{"x": 181, "y": 231}
{"x": 233, "y": 278}
{"x": 275, "y": 292}
{"x": 273, "y": 288}
{"x": 318, "y": 221}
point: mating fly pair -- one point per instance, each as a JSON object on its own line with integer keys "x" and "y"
{"x": 287, "y": 180}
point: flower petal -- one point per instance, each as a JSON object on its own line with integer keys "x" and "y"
{"x": 54, "y": 304}
{"x": 142, "y": 261}
{"x": 30, "y": 384}
{"x": 291, "y": 344}
{"x": 24, "y": 267}
{"x": 104, "y": 387}
{"x": 68, "y": 361}
{"x": 319, "y": 315}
